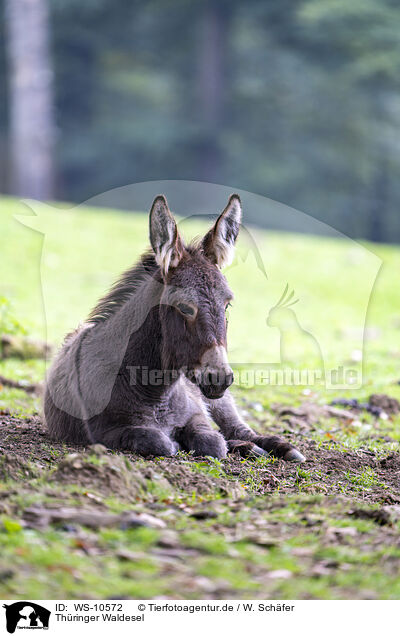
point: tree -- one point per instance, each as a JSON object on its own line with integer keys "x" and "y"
{"x": 31, "y": 128}
{"x": 211, "y": 76}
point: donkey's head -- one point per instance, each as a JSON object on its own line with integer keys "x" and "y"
{"x": 195, "y": 296}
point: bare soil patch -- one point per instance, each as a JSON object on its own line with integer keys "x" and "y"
{"x": 26, "y": 450}
{"x": 237, "y": 528}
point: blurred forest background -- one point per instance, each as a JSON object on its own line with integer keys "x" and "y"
{"x": 297, "y": 100}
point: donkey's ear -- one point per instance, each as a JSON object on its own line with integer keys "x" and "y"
{"x": 219, "y": 242}
{"x": 164, "y": 236}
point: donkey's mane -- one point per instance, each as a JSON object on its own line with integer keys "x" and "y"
{"x": 127, "y": 284}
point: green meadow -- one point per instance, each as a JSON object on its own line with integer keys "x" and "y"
{"x": 256, "y": 517}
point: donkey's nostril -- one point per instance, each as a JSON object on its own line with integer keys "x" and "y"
{"x": 209, "y": 378}
{"x": 229, "y": 379}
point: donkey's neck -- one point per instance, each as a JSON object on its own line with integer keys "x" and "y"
{"x": 142, "y": 362}
{"x": 142, "y": 365}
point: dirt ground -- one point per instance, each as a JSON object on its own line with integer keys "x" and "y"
{"x": 28, "y": 440}
{"x": 115, "y": 525}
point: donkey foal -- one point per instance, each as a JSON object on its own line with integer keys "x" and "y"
{"x": 149, "y": 369}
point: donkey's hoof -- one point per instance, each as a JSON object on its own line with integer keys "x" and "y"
{"x": 245, "y": 449}
{"x": 294, "y": 456}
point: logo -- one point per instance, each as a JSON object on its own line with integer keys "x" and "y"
{"x": 26, "y": 615}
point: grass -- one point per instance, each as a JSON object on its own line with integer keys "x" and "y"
{"x": 59, "y": 565}
{"x": 365, "y": 479}
{"x": 284, "y": 528}
{"x": 79, "y": 252}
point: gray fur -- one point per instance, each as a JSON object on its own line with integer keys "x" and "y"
{"x": 96, "y": 390}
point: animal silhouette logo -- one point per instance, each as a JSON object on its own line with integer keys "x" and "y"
{"x": 293, "y": 337}
{"x": 26, "y": 615}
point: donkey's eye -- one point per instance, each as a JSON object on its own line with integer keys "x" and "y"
{"x": 186, "y": 310}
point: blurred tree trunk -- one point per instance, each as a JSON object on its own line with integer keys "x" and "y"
{"x": 380, "y": 181}
{"x": 32, "y": 129}
{"x": 379, "y": 200}
{"x": 211, "y": 84}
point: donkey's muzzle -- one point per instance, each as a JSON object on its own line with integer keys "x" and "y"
{"x": 214, "y": 375}
{"x": 214, "y": 383}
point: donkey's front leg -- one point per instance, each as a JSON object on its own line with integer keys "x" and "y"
{"x": 143, "y": 440}
{"x": 197, "y": 435}
{"x": 224, "y": 413}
